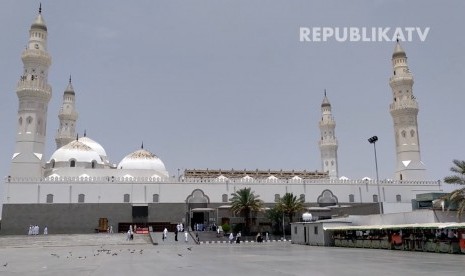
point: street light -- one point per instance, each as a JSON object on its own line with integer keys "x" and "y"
{"x": 373, "y": 141}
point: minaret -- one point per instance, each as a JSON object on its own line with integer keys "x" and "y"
{"x": 404, "y": 111}
{"x": 67, "y": 116}
{"x": 328, "y": 141}
{"x": 34, "y": 93}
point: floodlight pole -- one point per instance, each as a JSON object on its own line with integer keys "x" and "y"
{"x": 373, "y": 141}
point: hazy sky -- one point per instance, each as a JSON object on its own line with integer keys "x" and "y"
{"x": 228, "y": 84}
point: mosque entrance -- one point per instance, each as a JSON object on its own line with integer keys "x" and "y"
{"x": 140, "y": 214}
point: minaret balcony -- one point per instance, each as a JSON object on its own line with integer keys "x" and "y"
{"x": 328, "y": 142}
{"x": 37, "y": 87}
{"x": 34, "y": 55}
{"x": 404, "y": 104}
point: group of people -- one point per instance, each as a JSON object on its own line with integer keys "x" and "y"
{"x": 179, "y": 228}
{"x": 238, "y": 237}
{"x": 35, "y": 230}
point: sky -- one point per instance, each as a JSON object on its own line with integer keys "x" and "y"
{"x": 228, "y": 84}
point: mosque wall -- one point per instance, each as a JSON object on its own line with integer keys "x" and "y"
{"x": 94, "y": 191}
{"x": 62, "y": 218}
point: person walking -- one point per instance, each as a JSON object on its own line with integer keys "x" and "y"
{"x": 45, "y": 230}
{"x": 186, "y": 236}
{"x": 231, "y": 238}
{"x": 165, "y": 234}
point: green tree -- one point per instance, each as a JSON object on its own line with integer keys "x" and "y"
{"x": 244, "y": 202}
{"x": 289, "y": 204}
{"x": 457, "y": 197}
{"x": 275, "y": 216}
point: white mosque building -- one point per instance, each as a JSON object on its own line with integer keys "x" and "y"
{"x": 78, "y": 187}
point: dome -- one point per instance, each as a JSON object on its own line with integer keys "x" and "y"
{"x": 398, "y": 51}
{"x": 76, "y": 150}
{"x": 95, "y": 146}
{"x": 39, "y": 22}
{"x": 142, "y": 160}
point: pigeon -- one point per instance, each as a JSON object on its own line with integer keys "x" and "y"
{"x": 5, "y": 264}
{"x": 55, "y": 255}
{"x": 180, "y": 255}
{"x": 189, "y": 248}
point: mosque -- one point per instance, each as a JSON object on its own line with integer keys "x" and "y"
{"x": 79, "y": 190}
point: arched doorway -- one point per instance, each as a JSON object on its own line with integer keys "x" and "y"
{"x": 198, "y": 211}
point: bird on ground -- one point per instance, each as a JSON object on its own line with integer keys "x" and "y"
{"x": 189, "y": 248}
{"x": 180, "y": 255}
{"x": 5, "y": 264}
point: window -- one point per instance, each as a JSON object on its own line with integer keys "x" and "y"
{"x": 156, "y": 198}
{"x": 81, "y": 198}
{"x": 404, "y": 133}
{"x": 224, "y": 198}
{"x": 295, "y": 229}
{"x": 302, "y": 197}
{"x": 351, "y": 198}
{"x": 53, "y": 163}
{"x": 277, "y": 197}
{"x": 375, "y": 198}
{"x": 72, "y": 163}
{"x": 126, "y": 198}
{"x": 412, "y": 133}
{"x": 398, "y": 198}
{"x": 49, "y": 198}
{"x": 315, "y": 230}
{"x": 94, "y": 163}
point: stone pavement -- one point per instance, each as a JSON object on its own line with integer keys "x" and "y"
{"x": 102, "y": 254}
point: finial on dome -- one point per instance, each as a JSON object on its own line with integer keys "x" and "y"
{"x": 85, "y": 133}
{"x": 40, "y": 8}
{"x": 69, "y": 78}
{"x": 142, "y": 146}
{"x": 325, "y": 92}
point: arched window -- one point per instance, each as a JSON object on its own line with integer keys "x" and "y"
{"x": 49, "y": 198}
{"x": 302, "y": 197}
{"x": 53, "y": 163}
{"x": 126, "y": 198}
{"x": 72, "y": 163}
{"x": 20, "y": 120}
{"x": 412, "y": 133}
{"x": 277, "y": 197}
{"x": 398, "y": 198}
{"x": 94, "y": 163}
{"x": 155, "y": 198}
{"x": 351, "y": 198}
{"x": 375, "y": 198}
{"x": 224, "y": 198}
{"x": 81, "y": 198}
{"x": 404, "y": 133}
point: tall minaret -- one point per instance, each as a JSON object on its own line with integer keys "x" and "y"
{"x": 34, "y": 93}
{"x": 68, "y": 116}
{"x": 328, "y": 141}
{"x": 404, "y": 111}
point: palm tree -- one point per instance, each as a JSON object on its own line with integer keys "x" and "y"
{"x": 289, "y": 204}
{"x": 244, "y": 202}
{"x": 457, "y": 197}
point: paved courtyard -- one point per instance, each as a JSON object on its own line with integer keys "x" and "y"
{"x": 103, "y": 254}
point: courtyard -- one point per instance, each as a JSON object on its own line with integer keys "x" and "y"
{"x": 112, "y": 254}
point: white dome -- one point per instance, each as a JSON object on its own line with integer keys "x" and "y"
{"x": 76, "y": 150}
{"x": 142, "y": 160}
{"x": 95, "y": 146}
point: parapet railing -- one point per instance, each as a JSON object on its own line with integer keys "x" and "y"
{"x": 249, "y": 181}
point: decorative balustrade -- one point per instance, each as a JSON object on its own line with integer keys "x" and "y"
{"x": 249, "y": 181}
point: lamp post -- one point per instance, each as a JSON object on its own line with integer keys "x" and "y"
{"x": 373, "y": 141}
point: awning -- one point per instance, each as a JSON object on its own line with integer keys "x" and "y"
{"x": 224, "y": 207}
{"x": 451, "y": 225}
{"x": 140, "y": 204}
{"x": 202, "y": 210}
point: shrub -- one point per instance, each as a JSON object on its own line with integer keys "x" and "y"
{"x": 226, "y": 228}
